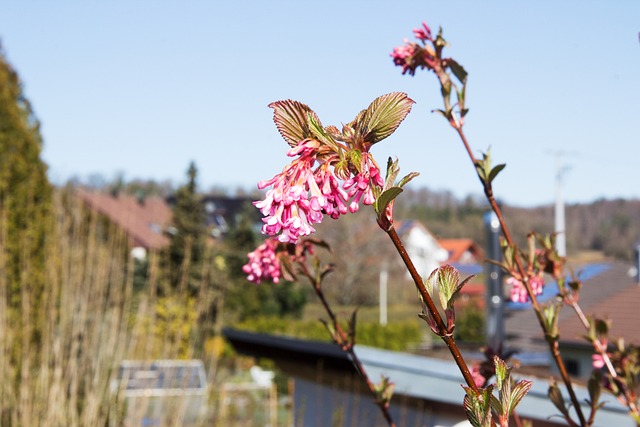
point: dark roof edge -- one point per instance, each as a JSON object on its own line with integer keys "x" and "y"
{"x": 276, "y": 347}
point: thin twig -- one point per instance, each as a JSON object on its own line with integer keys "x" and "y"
{"x": 447, "y": 338}
{"x": 553, "y": 344}
{"x": 344, "y": 342}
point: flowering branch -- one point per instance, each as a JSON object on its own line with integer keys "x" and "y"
{"x": 428, "y": 55}
{"x": 332, "y": 172}
{"x": 273, "y": 260}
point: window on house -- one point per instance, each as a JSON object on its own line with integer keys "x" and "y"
{"x": 573, "y": 367}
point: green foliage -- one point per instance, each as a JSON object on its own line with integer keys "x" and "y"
{"x": 25, "y": 214}
{"x": 188, "y": 240}
{"x": 245, "y": 300}
{"x": 470, "y": 321}
{"x": 282, "y": 299}
{"x": 170, "y": 328}
{"x": 397, "y": 336}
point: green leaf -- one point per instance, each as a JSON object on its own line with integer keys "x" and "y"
{"x": 318, "y": 132}
{"x": 407, "y": 178}
{"x": 385, "y": 198}
{"x": 291, "y": 120}
{"x": 502, "y": 371}
{"x": 392, "y": 172}
{"x": 355, "y": 159}
{"x": 495, "y": 171}
{"x": 458, "y": 289}
{"x": 595, "y": 387}
{"x": 448, "y": 278}
{"x": 519, "y": 392}
{"x": 383, "y": 116}
{"x": 458, "y": 70}
{"x": 556, "y": 398}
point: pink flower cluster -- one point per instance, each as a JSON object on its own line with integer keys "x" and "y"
{"x": 518, "y": 292}
{"x": 477, "y": 376}
{"x": 300, "y": 196}
{"x": 263, "y": 263}
{"x": 597, "y": 359}
{"x": 411, "y": 56}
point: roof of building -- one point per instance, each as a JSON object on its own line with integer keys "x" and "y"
{"x": 414, "y": 376}
{"x": 403, "y": 227}
{"x": 144, "y": 220}
{"x": 622, "y": 309}
{"x": 458, "y": 247}
{"x": 605, "y": 285}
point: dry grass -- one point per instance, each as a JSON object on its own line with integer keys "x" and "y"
{"x": 92, "y": 320}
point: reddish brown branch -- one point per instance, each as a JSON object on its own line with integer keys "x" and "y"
{"x": 553, "y": 343}
{"x": 428, "y": 301}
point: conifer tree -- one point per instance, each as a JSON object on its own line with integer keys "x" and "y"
{"x": 188, "y": 238}
{"x": 25, "y": 213}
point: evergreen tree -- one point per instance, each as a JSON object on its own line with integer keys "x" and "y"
{"x": 188, "y": 237}
{"x": 25, "y": 213}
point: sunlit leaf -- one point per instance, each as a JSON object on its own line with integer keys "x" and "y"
{"x": 458, "y": 70}
{"x": 290, "y": 118}
{"x": 519, "y": 391}
{"x": 407, "y": 178}
{"x": 383, "y": 116}
{"x": 385, "y": 198}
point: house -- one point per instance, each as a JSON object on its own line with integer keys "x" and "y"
{"x": 144, "y": 220}
{"x": 596, "y": 299}
{"x": 428, "y": 392}
{"x": 462, "y": 252}
{"x": 608, "y": 290}
{"x": 225, "y": 212}
{"x": 147, "y": 220}
{"x": 423, "y": 248}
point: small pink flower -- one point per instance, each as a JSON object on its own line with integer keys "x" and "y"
{"x": 518, "y": 292}
{"x": 423, "y": 34}
{"x": 287, "y": 208}
{"x": 478, "y": 378}
{"x": 300, "y": 195}
{"x": 359, "y": 187}
{"x": 597, "y": 359}
{"x": 403, "y": 57}
{"x": 263, "y": 263}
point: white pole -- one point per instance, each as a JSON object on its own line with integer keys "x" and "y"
{"x": 560, "y": 227}
{"x": 384, "y": 275}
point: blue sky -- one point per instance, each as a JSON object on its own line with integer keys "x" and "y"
{"x": 143, "y": 87}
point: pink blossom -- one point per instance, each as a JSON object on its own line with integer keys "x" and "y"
{"x": 597, "y": 359}
{"x": 423, "y": 34}
{"x": 518, "y": 291}
{"x": 287, "y": 208}
{"x": 402, "y": 56}
{"x": 263, "y": 263}
{"x": 300, "y": 196}
{"x": 478, "y": 378}
{"x": 359, "y": 187}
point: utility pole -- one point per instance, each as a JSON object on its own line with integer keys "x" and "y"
{"x": 494, "y": 292}
{"x": 560, "y": 223}
{"x": 384, "y": 276}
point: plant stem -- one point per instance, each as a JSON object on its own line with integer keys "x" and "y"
{"x": 553, "y": 343}
{"x": 344, "y": 342}
{"x": 428, "y": 301}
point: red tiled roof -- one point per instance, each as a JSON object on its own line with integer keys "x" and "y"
{"x": 609, "y": 293}
{"x": 144, "y": 221}
{"x": 621, "y": 309}
{"x": 457, "y": 247}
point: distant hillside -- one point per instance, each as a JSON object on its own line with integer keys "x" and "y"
{"x": 610, "y": 226}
